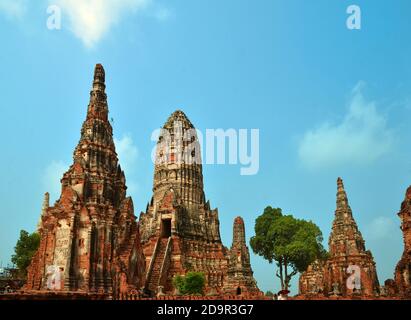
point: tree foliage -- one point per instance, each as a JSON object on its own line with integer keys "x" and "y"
{"x": 24, "y": 250}
{"x": 191, "y": 283}
{"x": 290, "y": 242}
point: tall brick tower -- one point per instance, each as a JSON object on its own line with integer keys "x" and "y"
{"x": 179, "y": 230}
{"x": 240, "y": 275}
{"x": 91, "y": 232}
{"x": 403, "y": 269}
{"x": 347, "y": 248}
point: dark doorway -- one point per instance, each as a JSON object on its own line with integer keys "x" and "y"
{"x": 238, "y": 291}
{"x": 166, "y": 228}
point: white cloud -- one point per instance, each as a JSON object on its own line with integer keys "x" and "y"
{"x": 361, "y": 138}
{"x": 51, "y": 179}
{"x": 13, "y": 8}
{"x": 90, "y": 20}
{"x": 380, "y": 228}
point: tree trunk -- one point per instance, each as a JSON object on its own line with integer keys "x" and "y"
{"x": 286, "y": 282}
{"x": 281, "y": 274}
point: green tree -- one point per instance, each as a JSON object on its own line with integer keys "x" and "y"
{"x": 25, "y": 248}
{"x": 178, "y": 283}
{"x": 292, "y": 243}
{"x": 191, "y": 283}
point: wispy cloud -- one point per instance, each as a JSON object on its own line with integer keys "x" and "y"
{"x": 127, "y": 152}
{"x": 13, "y": 8}
{"x": 51, "y": 178}
{"x": 162, "y": 13}
{"x": 90, "y": 20}
{"x": 380, "y": 228}
{"x": 361, "y": 138}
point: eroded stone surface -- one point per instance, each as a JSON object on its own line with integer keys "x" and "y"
{"x": 91, "y": 231}
{"x": 403, "y": 268}
{"x": 240, "y": 275}
{"x": 179, "y": 230}
{"x": 346, "y": 251}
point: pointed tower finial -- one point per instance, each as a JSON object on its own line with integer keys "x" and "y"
{"x": 98, "y": 107}
{"x": 99, "y": 74}
{"x": 238, "y": 232}
{"x": 99, "y": 82}
{"x": 342, "y": 199}
{"x": 340, "y": 183}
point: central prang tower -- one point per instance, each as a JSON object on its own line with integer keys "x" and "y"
{"x": 179, "y": 231}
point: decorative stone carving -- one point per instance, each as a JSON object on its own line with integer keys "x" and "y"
{"x": 91, "y": 231}
{"x": 179, "y": 230}
{"x": 92, "y": 234}
{"x": 347, "y": 253}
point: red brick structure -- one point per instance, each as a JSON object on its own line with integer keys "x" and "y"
{"x": 347, "y": 255}
{"x": 91, "y": 231}
{"x": 179, "y": 230}
{"x": 312, "y": 280}
{"x": 240, "y": 278}
{"x": 403, "y": 269}
{"x": 92, "y": 235}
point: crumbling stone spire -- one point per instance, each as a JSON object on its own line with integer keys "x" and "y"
{"x": 347, "y": 252}
{"x": 179, "y": 230}
{"x": 342, "y": 200}
{"x": 99, "y": 78}
{"x": 347, "y": 248}
{"x": 178, "y": 161}
{"x": 238, "y": 233}
{"x": 345, "y": 238}
{"x": 240, "y": 275}
{"x": 91, "y": 232}
{"x": 403, "y": 268}
{"x": 98, "y": 107}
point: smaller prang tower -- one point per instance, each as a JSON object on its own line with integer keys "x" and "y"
{"x": 347, "y": 248}
{"x": 347, "y": 256}
{"x": 240, "y": 276}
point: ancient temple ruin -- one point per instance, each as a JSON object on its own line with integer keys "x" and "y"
{"x": 239, "y": 275}
{"x": 179, "y": 230}
{"x": 91, "y": 233}
{"x": 403, "y": 268}
{"x": 350, "y": 268}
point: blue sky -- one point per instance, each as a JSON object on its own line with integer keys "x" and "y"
{"x": 328, "y": 102}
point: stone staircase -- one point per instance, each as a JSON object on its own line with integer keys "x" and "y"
{"x": 154, "y": 279}
{"x": 126, "y": 248}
